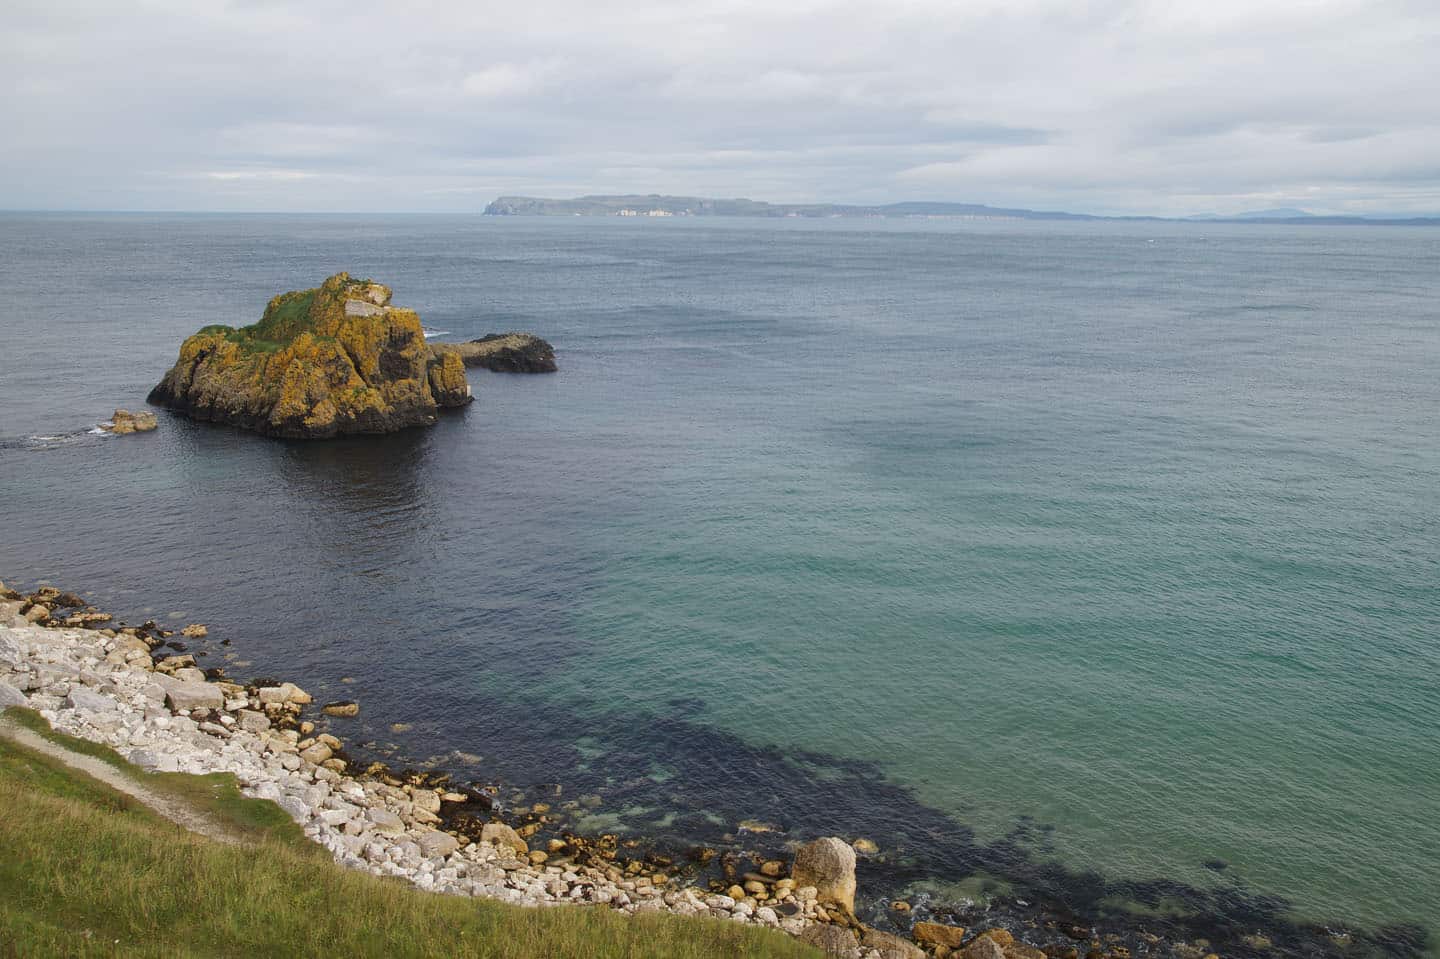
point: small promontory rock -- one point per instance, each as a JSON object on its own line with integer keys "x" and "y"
{"x": 334, "y": 360}
{"x": 124, "y": 422}
{"x": 503, "y": 353}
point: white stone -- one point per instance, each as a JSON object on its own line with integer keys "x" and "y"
{"x": 295, "y": 807}
{"x": 385, "y": 821}
{"x": 88, "y": 701}
{"x": 10, "y": 696}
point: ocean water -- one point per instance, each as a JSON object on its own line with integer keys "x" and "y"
{"x": 1099, "y": 560}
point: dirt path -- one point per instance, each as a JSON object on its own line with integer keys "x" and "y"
{"x": 175, "y": 810}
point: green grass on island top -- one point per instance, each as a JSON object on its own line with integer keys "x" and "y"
{"x": 289, "y": 317}
{"x": 87, "y": 871}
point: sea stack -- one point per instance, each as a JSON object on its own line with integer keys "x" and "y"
{"x": 335, "y": 360}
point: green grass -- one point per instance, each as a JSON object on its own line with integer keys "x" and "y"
{"x": 290, "y": 316}
{"x": 217, "y": 794}
{"x": 86, "y": 871}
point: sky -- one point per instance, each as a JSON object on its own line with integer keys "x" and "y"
{"x": 1112, "y": 106}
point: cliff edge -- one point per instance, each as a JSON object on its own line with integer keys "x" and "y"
{"x": 334, "y": 360}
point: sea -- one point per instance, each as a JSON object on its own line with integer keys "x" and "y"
{"x": 1093, "y": 563}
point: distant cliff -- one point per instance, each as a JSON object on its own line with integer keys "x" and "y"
{"x": 334, "y": 360}
{"x": 655, "y": 204}
{"x": 503, "y": 353}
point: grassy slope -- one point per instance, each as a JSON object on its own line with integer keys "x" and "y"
{"x": 87, "y": 871}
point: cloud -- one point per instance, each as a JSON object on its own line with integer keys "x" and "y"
{"x": 258, "y": 175}
{"x": 504, "y": 79}
{"x": 1108, "y": 106}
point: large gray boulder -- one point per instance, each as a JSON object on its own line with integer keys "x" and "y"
{"x": 296, "y": 808}
{"x": 829, "y": 865}
{"x": 181, "y": 694}
{"x": 10, "y": 696}
{"x": 434, "y": 843}
{"x": 88, "y": 701}
{"x": 10, "y": 653}
{"x": 385, "y": 821}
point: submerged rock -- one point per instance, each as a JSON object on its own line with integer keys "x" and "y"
{"x": 334, "y": 360}
{"x": 502, "y": 353}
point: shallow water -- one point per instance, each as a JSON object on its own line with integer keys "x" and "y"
{"x": 1128, "y": 534}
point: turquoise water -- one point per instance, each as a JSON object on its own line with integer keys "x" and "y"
{"x": 1124, "y": 534}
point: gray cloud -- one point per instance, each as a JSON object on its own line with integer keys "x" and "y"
{"x": 1118, "y": 106}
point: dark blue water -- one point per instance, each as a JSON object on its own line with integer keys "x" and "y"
{"x": 1027, "y": 549}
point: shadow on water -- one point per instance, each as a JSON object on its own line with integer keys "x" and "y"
{"x": 361, "y": 473}
{"x": 712, "y": 777}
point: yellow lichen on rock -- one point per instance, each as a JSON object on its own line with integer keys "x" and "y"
{"x": 322, "y": 362}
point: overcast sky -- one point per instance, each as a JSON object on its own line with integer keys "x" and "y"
{"x": 1112, "y": 106}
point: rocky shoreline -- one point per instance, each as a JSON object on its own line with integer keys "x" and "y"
{"x": 131, "y": 688}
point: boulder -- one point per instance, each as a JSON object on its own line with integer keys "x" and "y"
{"x": 284, "y": 693}
{"x": 1002, "y": 937}
{"x": 834, "y": 941}
{"x": 434, "y": 843}
{"x": 1021, "y": 950}
{"x": 252, "y": 721}
{"x": 937, "y": 934}
{"x": 890, "y": 946}
{"x": 344, "y": 708}
{"x": 296, "y": 808}
{"x": 983, "y": 949}
{"x": 10, "y": 696}
{"x": 195, "y": 631}
{"x": 385, "y": 821}
{"x": 499, "y": 834}
{"x": 89, "y": 701}
{"x": 316, "y": 753}
{"x": 829, "y": 865}
{"x": 192, "y": 696}
{"x": 180, "y": 694}
{"x": 329, "y": 361}
{"x": 125, "y": 421}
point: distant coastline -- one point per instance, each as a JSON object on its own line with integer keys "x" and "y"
{"x": 661, "y": 205}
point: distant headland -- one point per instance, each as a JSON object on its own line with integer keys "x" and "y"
{"x": 661, "y": 205}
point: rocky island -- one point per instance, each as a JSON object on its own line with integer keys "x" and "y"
{"x": 333, "y": 360}
{"x": 503, "y": 353}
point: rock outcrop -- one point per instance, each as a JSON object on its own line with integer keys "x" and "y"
{"x": 124, "y": 422}
{"x": 503, "y": 353}
{"x": 334, "y": 360}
